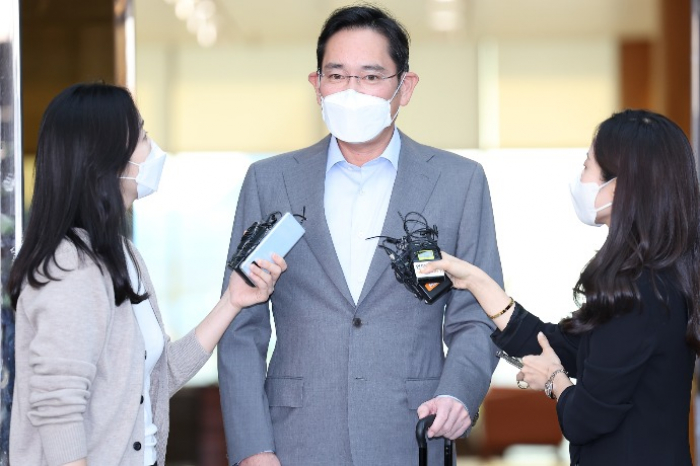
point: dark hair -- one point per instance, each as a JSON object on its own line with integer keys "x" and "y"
{"x": 86, "y": 138}
{"x": 367, "y": 17}
{"x": 654, "y": 223}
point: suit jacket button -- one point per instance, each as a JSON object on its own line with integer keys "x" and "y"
{"x": 141, "y": 400}
{"x": 357, "y": 322}
{"x": 137, "y": 446}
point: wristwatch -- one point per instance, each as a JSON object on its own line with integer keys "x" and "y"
{"x": 549, "y": 384}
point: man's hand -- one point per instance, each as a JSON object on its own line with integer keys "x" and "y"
{"x": 451, "y": 417}
{"x": 261, "y": 459}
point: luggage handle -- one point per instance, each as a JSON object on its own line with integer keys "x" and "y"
{"x": 422, "y": 438}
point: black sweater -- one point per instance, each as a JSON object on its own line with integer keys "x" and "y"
{"x": 631, "y": 402}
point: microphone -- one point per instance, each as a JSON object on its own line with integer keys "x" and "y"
{"x": 411, "y": 253}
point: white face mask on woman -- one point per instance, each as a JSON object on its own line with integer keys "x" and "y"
{"x": 583, "y": 196}
{"x": 148, "y": 178}
{"x": 355, "y": 117}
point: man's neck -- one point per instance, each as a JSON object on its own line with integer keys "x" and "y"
{"x": 360, "y": 154}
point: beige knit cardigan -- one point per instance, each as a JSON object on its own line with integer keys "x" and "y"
{"x": 79, "y": 370}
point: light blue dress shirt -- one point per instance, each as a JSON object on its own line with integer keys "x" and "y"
{"x": 356, "y": 201}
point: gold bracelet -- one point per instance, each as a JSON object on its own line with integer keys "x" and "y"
{"x": 498, "y": 314}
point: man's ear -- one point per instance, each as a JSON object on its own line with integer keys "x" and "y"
{"x": 409, "y": 84}
{"x": 313, "y": 79}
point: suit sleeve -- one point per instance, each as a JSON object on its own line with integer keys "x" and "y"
{"x": 619, "y": 351}
{"x": 471, "y": 358}
{"x": 242, "y": 354}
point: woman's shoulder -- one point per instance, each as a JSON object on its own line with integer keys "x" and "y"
{"x": 72, "y": 274}
{"x": 660, "y": 303}
{"x": 72, "y": 252}
{"x": 660, "y": 295}
{"x": 658, "y": 283}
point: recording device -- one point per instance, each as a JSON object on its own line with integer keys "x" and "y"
{"x": 512, "y": 360}
{"x": 409, "y": 256}
{"x": 277, "y": 234}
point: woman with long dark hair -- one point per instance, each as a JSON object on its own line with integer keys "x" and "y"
{"x": 94, "y": 368}
{"x": 631, "y": 345}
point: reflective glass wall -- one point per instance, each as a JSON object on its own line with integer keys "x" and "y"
{"x": 10, "y": 200}
{"x": 517, "y": 85}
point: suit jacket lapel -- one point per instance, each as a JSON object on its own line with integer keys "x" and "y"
{"x": 305, "y": 185}
{"x": 415, "y": 181}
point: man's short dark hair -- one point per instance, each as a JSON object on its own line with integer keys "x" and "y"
{"x": 367, "y": 17}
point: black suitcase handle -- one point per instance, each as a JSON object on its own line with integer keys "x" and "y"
{"x": 422, "y": 438}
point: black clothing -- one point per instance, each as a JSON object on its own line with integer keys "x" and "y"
{"x": 631, "y": 402}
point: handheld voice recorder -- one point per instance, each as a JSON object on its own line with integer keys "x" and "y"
{"x": 262, "y": 239}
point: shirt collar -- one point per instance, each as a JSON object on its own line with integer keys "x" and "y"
{"x": 391, "y": 153}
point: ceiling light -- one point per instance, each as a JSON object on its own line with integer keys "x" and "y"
{"x": 184, "y": 9}
{"x": 200, "y": 19}
{"x": 205, "y": 9}
{"x": 206, "y": 35}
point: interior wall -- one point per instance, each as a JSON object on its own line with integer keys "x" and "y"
{"x": 60, "y": 47}
{"x": 252, "y": 99}
{"x": 554, "y": 93}
{"x": 673, "y": 62}
{"x": 258, "y": 99}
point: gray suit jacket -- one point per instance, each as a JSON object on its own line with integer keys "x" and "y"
{"x": 341, "y": 391}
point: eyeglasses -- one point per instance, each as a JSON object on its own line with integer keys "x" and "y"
{"x": 368, "y": 80}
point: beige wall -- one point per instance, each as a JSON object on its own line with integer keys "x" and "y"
{"x": 553, "y": 93}
{"x": 523, "y": 93}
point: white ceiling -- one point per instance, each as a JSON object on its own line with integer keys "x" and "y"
{"x": 284, "y": 21}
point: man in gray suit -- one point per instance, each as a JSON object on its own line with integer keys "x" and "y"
{"x": 358, "y": 358}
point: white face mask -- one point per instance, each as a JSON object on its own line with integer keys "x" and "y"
{"x": 150, "y": 170}
{"x": 583, "y": 196}
{"x": 355, "y": 117}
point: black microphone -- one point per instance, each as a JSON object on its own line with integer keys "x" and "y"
{"x": 411, "y": 253}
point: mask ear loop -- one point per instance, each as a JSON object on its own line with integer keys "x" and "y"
{"x": 605, "y": 206}
{"x": 393, "y": 118}
{"x": 318, "y": 89}
{"x": 399, "y": 87}
{"x": 318, "y": 85}
{"x": 131, "y": 177}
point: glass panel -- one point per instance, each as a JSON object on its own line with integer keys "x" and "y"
{"x": 184, "y": 240}
{"x": 695, "y": 73}
{"x": 10, "y": 200}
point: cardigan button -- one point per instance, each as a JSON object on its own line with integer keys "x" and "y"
{"x": 357, "y": 322}
{"x": 137, "y": 446}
